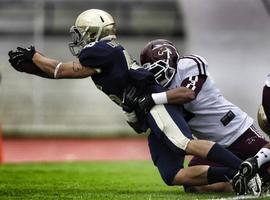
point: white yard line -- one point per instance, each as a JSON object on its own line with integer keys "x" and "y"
{"x": 243, "y": 197}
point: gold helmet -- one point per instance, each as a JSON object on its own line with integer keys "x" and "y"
{"x": 90, "y": 26}
{"x": 262, "y": 120}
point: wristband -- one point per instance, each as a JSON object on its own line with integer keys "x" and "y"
{"x": 160, "y": 98}
{"x": 56, "y": 69}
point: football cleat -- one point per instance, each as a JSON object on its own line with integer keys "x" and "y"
{"x": 265, "y": 187}
{"x": 239, "y": 184}
{"x": 254, "y": 185}
{"x": 242, "y": 185}
{"x": 249, "y": 167}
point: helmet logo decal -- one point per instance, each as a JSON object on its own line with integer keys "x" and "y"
{"x": 162, "y": 51}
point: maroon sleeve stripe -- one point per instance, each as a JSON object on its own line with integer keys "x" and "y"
{"x": 203, "y": 64}
{"x": 199, "y": 62}
{"x": 194, "y": 83}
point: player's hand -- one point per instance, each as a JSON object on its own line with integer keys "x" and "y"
{"x": 130, "y": 98}
{"x": 27, "y": 53}
{"x": 16, "y": 59}
{"x": 144, "y": 105}
{"x": 20, "y": 56}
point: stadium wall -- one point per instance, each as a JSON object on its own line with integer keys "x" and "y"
{"x": 226, "y": 33}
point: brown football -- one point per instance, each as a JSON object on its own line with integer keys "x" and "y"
{"x": 31, "y": 68}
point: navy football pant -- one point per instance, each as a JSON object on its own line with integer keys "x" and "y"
{"x": 165, "y": 159}
{"x": 167, "y": 140}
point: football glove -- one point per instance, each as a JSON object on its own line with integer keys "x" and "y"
{"x": 21, "y": 55}
{"x": 27, "y": 53}
{"x": 21, "y": 60}
{"x": 130, "y": 98}
{"x": 16, "y": 60}
{"x": 144, "y": 105}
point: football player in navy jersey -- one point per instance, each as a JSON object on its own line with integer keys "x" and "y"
{"x": 114, "y": 72}
{"x": 209, "y": 114}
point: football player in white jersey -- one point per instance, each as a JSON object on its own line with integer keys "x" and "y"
{"x": 209, "y": 114}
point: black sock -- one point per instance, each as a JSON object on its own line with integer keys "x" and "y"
{"x": 219, "y": 174}
{"x": 222, "y": 156}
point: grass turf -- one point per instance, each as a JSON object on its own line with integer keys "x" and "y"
{"x": 89, "y": 180}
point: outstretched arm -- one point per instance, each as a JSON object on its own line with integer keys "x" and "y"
{"x": 30, "y": 61}
{"x": 56, "y": 69}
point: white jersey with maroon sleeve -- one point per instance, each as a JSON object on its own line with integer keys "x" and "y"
{"x": 214, "y": 117}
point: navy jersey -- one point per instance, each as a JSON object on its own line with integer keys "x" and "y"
{"x": 116, "y": 72}
{"x": 116, "y": 68}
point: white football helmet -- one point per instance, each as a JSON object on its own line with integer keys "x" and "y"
{"x": 91, "y": 26}
{"x": 262, "y": 120}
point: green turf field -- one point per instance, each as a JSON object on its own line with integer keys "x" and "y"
{"x": 89, "y": 180}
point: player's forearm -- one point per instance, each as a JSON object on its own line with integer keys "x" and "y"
{"x": 180, "y": 95}
{"x": 47, "y": 65}
{"x": 57, "y": 69}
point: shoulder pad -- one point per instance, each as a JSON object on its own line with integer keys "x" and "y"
{"x": 193, "y": 65}
{"x": 95, "y": 54}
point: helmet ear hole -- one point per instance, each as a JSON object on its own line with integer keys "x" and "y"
{"x": 92, "y": 35}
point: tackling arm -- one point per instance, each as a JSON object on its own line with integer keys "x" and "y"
{"x": 187, "y": 92}
{"x": 189, "y": 89}
{"x": 180, "y": 95}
